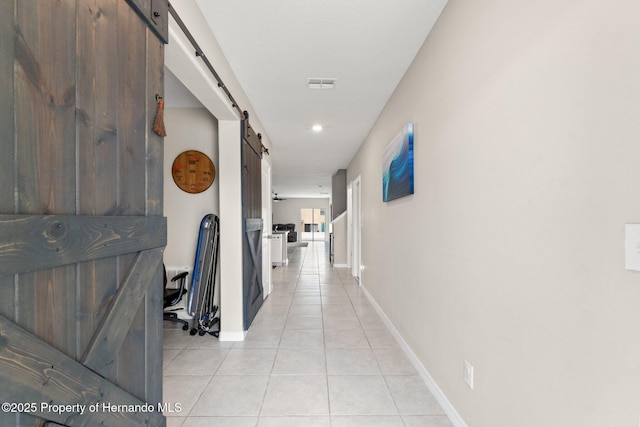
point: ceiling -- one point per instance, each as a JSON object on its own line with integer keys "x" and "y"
{"x": 274, "y": 46}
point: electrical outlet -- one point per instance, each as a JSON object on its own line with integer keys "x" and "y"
{"x": 467, "y": 374}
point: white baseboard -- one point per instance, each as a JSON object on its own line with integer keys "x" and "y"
{"x": 231, "y": 336}
{"x": 340, "y": 266}
{"x": 446, "y": 405}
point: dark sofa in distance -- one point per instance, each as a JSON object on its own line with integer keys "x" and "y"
{"x": 291, "y": 228}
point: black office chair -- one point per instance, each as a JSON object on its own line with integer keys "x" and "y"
{"x": 173, "y": 297}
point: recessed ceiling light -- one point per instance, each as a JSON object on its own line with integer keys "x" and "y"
{"x": 316, "y": 128}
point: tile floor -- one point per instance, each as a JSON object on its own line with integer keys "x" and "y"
{"x": 317, "y": 354}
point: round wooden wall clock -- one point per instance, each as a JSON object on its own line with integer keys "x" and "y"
{"x": 193, "y": 171}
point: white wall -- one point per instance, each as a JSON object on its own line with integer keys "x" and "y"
{"x": 231, "y": 235}
{"x": 190, "y": 70}
{"x": 340, "y": 231}
{"x": 288, "y": 211}
{"x": 510, "y": 254}
{"x": 187, "y": 129}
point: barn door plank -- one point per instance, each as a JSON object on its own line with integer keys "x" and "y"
{"x": 36, "y": 242}
{"x": 155, "y": 198}
{"x": 97, "y": 108}
{"x": 252, "y": 261}
{"x": 7, "y": 160}
{"x": 23, "y": 420}
{"x": 45, "y": 122}
{"x": 97, "y": 105}
{"x": 7, "y": 147}
{"x": 132, "y": 140}
{"x": 45, "y": 105}
{"x": 33, "y": 371}
{"x": 7, "y": 296}
{"x": 114, "y": 328}
{"x": 132, "y": 105}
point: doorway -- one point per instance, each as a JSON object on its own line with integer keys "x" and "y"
{"x": 266, "y": 229}
{"x": 313, "y": 224}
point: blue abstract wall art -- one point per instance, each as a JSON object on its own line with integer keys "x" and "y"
{"x": 397, "y": 166}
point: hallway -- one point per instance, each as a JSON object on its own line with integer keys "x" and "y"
{"x": 317, "y": 354}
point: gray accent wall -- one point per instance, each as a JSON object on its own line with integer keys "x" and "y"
{"x": 338, "y": 193}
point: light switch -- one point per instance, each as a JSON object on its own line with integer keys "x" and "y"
{"x": 632, "y": 247}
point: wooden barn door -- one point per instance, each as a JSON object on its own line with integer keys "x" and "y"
{"x": 251, "y": 222}
{"x": 81, "y": 225}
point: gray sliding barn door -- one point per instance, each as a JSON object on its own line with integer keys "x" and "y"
{"x": 81, "y": 225}
{"x": 251, "y": 222}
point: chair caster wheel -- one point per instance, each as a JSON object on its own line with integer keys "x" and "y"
{"x": 193, "y": 331}
{"x": 201, "y": 333}
{"x": 185, "y": 327}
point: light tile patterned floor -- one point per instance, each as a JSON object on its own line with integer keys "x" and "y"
{"x": 317, "y": 354}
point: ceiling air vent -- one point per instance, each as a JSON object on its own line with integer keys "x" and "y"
{"x": 321, "y": 83}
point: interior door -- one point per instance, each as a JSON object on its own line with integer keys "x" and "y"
{"x": 350, "y": 224}
{"x": 81, "y": 225}
{"x": 266, "y": 230}
{"x": 252, "y": 222}
{"x": 355, "y": 225}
